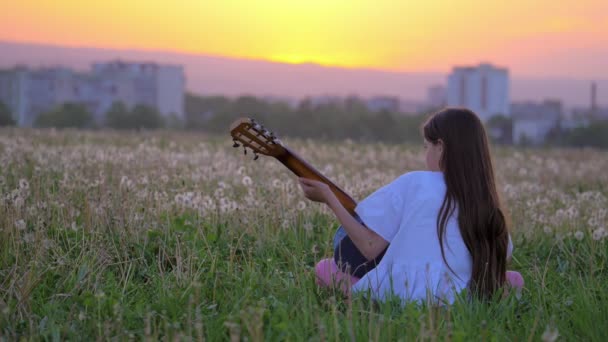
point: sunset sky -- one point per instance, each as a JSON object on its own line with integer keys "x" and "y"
{"x": 535, "y": 38}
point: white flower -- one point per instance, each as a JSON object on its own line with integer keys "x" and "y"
{"x": 579, "y": 235}
{"x": 599, "y": 233}
{"x": 276, "y": 183}
{"x": 551, "y": 334}
{"x": 308, "y": 226}
{"x": 20, "y": 224}
{"x": 547, "y": 230}
{"x": 29, "y": 238}
{"x": 285, "y": 224}
{"x": 247, "y": 181}
{"x": 23, "y": 184}
{"x": 301, "y": 205}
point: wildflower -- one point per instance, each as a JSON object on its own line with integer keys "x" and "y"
{"x": 219, "y": 193}
{"x": 23, "y": 184}
{"x": 126, "y": 183}
{"x": 599, "y": 233}
{"x": 308, "y": 226}
{"x": 551, "y": 334}
{"x": 547, "y": 230}
{"x": 20, "y": 224}
{"x": 579, "y": 235}
{"x": 28, "y": 238}
{"x": 301, "y": 205}
{"x": 247, "y": 181}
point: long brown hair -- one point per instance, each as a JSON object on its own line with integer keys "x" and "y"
{"x": 471, "y": 190}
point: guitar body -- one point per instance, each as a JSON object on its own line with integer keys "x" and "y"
{"x": 253, "y": 135}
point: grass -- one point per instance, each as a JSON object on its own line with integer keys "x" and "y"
{"x": 106, "y": 261}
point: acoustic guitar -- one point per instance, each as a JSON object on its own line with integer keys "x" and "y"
{"x": 250, "y": 134}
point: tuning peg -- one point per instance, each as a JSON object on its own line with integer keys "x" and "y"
{"x": 236, "y": 144}
{"x": 256, "y": 156}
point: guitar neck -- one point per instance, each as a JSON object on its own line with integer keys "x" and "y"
{"x": 301, "y": 168}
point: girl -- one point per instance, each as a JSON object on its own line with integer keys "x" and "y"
{"x": 427, "y": 234}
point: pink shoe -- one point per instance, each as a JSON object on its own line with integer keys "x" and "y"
{"x": 328, "y": 275}
{"x": 515, "y": 279}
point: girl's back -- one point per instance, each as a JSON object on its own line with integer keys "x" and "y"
{"x": 413, "y": 263}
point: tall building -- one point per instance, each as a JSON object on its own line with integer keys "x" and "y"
{"x": 155, "y": 85}
{"x": 436, "y": 96}
{"x": 12, "y": 91}
{"x": 593, "y": 98}
{"x": 533, "y": 121}
{"x": 28, "y": 93}
{"x": 483, "y": 89}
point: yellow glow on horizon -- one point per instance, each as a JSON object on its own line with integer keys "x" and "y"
{"x": 383, "y": 34}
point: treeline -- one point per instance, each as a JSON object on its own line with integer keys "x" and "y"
{"x": 76, "y": 115}
{"x": 594, "y": 135}
{"x": 349, "y": 118}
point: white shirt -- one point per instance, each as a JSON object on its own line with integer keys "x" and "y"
{"x": 404, "y": 212}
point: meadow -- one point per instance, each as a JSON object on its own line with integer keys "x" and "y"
{"x": 178, "y": 236}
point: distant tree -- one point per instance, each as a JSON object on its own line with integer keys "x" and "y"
{"x": 6, "y": 119}
{"x": 68, "y": 115}
{"x": 173, "y": 121}
{"x": 500, "y": 129}
{"x": 594, "y": 135}
{"x": 200, "y": 109}
{"x": 118, "y": 116}
{"x": 143, "y": 116}
{"x": 341, "y": 119}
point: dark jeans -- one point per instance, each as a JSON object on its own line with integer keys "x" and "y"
{"x": 348, "y": 257}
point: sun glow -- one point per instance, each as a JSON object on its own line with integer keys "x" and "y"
{"x": 383, "y": 34}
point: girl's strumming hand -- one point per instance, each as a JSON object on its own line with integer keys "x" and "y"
{"x": 315, "y": 190}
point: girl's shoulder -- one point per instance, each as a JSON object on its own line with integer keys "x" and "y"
{"x": 418, "y": 177}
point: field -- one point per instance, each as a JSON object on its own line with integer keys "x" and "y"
{"x": 177, "y": 236}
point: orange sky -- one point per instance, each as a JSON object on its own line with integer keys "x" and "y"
{"x": 531, "y": 37}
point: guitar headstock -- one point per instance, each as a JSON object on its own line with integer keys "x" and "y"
{"x": 250, "y": 134}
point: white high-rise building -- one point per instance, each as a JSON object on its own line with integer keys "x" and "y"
{"x": 28, "y": 93}
{"x": 484, "y": 89}
{"x": 155, "y": 85}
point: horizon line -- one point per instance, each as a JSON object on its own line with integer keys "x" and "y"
{"x": 314, "y": 64}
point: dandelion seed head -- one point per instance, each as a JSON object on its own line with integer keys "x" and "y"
{"x": 301, "y": 205}
{"x": 550, "y": 335}
{"x": 599, "y": 234}
{"x": 247, "y": 181}
{"x": 20, "y": 224}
